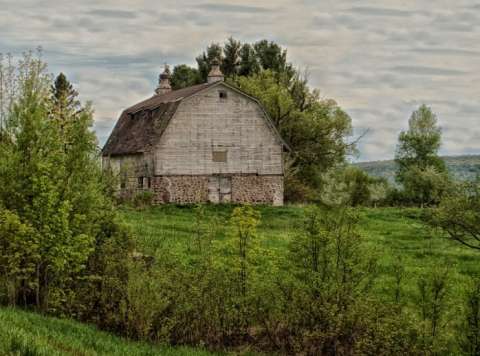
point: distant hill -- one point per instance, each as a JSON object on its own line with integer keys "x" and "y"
{"x": 462, "y": 167}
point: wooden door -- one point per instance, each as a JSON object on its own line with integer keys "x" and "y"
{"x": 225, "y": 189}
{"x": 214, "y": 189}
{"x": 219, "y": 189}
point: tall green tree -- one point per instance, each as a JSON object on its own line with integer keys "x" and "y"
{"x": 51, "y": 185}
{"x": 231, "y": 57}
{"x": 248, "y": 61}
{"x": 419, "y": 145}
{"x": 417, "y": 156}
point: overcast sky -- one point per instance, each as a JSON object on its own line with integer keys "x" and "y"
{"x": 378, "y": 59}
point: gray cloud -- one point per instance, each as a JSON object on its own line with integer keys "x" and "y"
{"x": 217, "y": 7}
{"x": 429, "y": 71}
{"x": 379, "y": 60}
{"x": 380, "y": 11}
{"x": 122, "y": 14}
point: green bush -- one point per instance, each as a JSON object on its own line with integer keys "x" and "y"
{"x": 143, "y": 199}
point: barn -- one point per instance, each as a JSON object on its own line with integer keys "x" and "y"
{"x": 205, "y": 143}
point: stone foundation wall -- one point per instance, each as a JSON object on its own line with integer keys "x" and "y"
{"x": 251, "y": 189}
{"x": 180, "y": 189}
{"x": 255, "y": 189}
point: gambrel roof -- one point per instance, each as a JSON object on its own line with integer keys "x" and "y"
{"x": 141, "y": 125}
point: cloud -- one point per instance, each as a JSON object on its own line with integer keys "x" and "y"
{"x": 379, "y": 11}
{"x": 378, "y": 60}
{"x": 429, "y": 71}
{"x": 122, "y": 14}
{"x": 218, "y": 7}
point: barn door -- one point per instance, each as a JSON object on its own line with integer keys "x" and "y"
{"x": 219, "y": 189}
{"x": 225, "y": 189}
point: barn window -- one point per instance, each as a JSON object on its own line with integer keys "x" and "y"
{"x": 222, "y": 94}
{"x": 219, "y": 156}
{"x": 140, "y": 182}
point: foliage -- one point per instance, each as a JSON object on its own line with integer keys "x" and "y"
{"x": 459, "y": 214}
{"x": 351, "y": 186}
{"x": 420, "y": 170}
{"x": 184, "y": 76}
{"x": 469, "y": 332}
{"x": 462, "y": 168}
{"x": 198, "y": 305}
{"x": 433, "y": 291}
{"x": 315, "y": 129}
{"x": 58, "y": 218}
{"x": 19, "y": 256}
{"x": 143, "y": 199}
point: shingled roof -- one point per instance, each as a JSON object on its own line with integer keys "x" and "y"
{"x": 141, "y": 124}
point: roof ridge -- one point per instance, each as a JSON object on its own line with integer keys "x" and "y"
{"x": 171, "y": 96}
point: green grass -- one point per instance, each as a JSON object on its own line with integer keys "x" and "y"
{"x": 392, "y": 234}
{"x": 30, "y": 334}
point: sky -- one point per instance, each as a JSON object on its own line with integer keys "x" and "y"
{"x": 379, "y": 60}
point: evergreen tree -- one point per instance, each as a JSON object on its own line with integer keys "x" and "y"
{"x": 248, "y": 61}
{"x": 271, "y": 56}
{"x": 231, "y": 59}
{"x": 65, "y": 98}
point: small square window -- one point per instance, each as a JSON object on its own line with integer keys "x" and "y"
{"x": 222, "y": 94}
{"x": 219, "y": 156}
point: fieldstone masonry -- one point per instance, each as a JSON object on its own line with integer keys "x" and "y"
{"x": 194, "y": 189}
{"x": 257, "y": 189}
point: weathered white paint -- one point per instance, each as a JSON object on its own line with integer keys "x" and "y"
{"x": 205, "y": 123}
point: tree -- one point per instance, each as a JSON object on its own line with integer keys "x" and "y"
{"x": 248, "y": 61}
{"x": 231, "y": 57}
{"x": 184, "y": 76}
{"x": 271, "y": 56}
{"x": 458, "y": 214}
{"x": 316, "y": 131}
{"x": 417, "y": 154}
{"x": 204, "y": 61}
{"x": 65, "y": 97}
{"x": 51, "y": 185}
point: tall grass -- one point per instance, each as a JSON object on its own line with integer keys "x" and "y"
{"x": 30, "y": 334}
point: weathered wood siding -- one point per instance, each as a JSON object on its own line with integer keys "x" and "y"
{"x": 206, "y": 123}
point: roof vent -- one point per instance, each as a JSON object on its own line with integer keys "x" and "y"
{"x": 215, "y": 74}
{"x": 164, "y": 82}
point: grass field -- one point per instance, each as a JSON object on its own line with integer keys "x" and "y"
{"x": 394, "y": 235}
{"x": 30, "y": 334}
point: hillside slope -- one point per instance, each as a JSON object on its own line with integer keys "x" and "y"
{"x": 23, "y": 333}
{"x": 462, "y": 167}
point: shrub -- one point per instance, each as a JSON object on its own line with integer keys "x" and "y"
{"x": 143, "y": 199}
